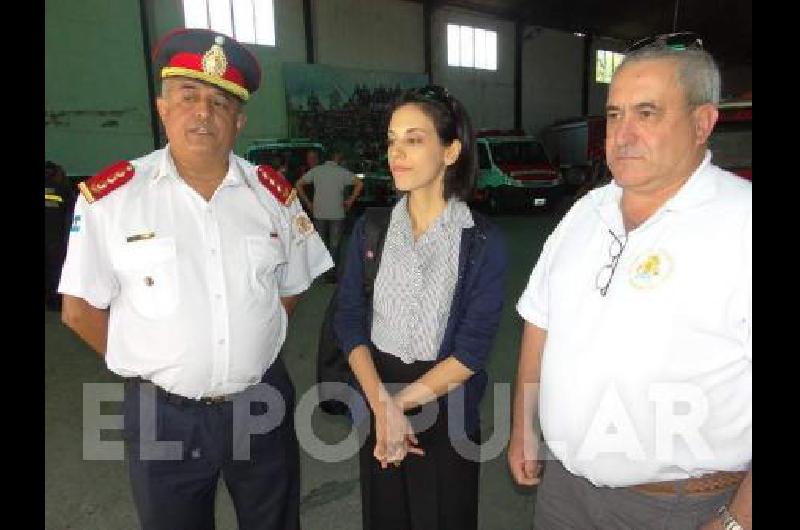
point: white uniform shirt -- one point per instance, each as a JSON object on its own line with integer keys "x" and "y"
{"x": 196, "y": 307}
{"x": 668, "y": 350}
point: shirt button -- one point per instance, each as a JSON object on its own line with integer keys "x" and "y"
{"x": 213, "y": 252}
{"x": 218, "y": 296}
{"x": 221, "y": 342}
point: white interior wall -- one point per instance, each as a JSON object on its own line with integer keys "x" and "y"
{"x": 90, "y": 123}
{"x": 552, "y": 79}
{"x": 369, "y": 34}
{"x": 487, "y": 95}
{"x": 96, "y": 105}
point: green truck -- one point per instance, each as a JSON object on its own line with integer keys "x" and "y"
{"x": 515, "y": 173}
{"x": 290, "y": 152}
{"x": 378, "y": 189}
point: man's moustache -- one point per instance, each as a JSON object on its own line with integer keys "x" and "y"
{"x": 198, "y": 128}
{"x": 624, "y": 152}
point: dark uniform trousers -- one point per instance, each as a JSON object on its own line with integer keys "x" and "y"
{"x": 58, "y": 204}
{"x": 174, "y": 486}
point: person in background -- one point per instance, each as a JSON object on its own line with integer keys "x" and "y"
{"x": 279, "y": 164}
{"x": 311, "y": 161}
{"x": 59, "y": 201}
{"x": 329, "y": 206}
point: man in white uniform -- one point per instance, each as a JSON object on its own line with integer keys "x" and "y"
{"x": 638, "y": 321}
{"x": 183, "y": 267}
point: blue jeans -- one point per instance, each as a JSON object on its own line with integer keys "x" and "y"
{"x": 330, "y": 230}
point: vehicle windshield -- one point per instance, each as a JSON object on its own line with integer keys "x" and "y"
{"x": 732, "y": 145}
{"x": 519, "y": 153}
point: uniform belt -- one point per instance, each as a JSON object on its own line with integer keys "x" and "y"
{"x": 711, "y": 483}
{"x": 177, "y": 399}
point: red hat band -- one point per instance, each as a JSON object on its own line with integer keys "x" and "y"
{"x": 211, "y": 67}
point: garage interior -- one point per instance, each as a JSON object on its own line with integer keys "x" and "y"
{"x": 99, "y": 87}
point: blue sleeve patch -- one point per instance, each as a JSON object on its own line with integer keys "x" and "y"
{"x": 76, "y": 223}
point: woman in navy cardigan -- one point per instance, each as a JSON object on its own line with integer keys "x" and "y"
{"x": 418, "y": 345}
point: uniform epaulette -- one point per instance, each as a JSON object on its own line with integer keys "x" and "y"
{"x": 276, "y": 184}
{"x": 106, "y": 181}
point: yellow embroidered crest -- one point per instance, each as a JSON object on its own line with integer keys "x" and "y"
{"x": 651, "y": 269}
{"x": 303, "y": 225}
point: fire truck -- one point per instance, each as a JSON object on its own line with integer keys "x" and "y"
{"x": 515, "y": 172}
{"x": 731, "y": 142}
{"x": 577, "y": 146}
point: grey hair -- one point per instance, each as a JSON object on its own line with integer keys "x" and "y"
{"x": 698, "y": 73}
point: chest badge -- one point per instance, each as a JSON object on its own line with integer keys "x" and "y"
{"x": 303, "y": 225}
{"x": 651, "y": 269}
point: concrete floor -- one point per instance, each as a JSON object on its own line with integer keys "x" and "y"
{"x": 95, "y": 495}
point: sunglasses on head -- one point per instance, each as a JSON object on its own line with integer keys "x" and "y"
{"x": 433, "y": 93}
{"x": 684, "y": 40}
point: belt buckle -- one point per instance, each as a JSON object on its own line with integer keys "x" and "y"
{"x": 213, "y": 400}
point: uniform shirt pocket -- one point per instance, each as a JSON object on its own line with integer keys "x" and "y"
{"x": 263, "y": 257}
{"x": 148, "y": 272}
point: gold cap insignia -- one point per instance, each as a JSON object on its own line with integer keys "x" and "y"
{"x": 214, "y": 61}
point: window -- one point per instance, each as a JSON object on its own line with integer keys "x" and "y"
{"x": 471, "y": 47}
{"x": 607, "y": 62}
{"x": 251, "y": 21}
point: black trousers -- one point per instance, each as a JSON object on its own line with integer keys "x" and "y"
{"x": 437, "y": 491}
{"x": 54, "y": 254}
{"x": 174, "y": 487}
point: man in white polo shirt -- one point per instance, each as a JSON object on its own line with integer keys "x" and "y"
{"x": 637, "y": 346}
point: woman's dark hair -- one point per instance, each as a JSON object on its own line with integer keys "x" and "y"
{"x": 452, "y": 123}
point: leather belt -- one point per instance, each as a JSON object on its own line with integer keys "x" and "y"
{"x": 177, "y": 399}
{"x": 711, "y": 483}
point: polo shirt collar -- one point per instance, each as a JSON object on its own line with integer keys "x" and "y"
{"x": 699, "y": 188}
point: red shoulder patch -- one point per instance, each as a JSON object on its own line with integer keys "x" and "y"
{"x": 276, "y": 184}
{"x": 106, "y": 181}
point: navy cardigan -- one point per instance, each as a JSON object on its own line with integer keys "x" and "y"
{"x": 472, "y": 324}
